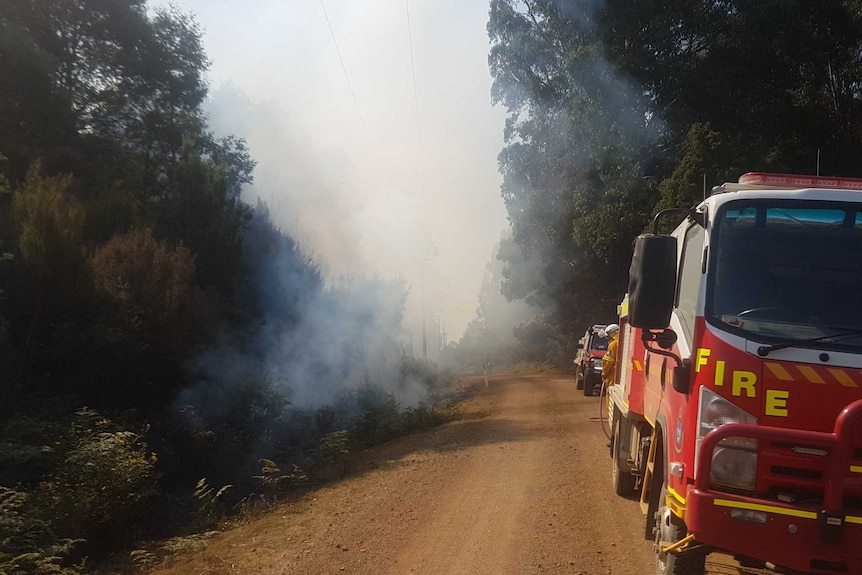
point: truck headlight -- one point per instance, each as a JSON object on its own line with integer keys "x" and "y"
{"x": 735, "y": 468}
{"x": 734, "y": 460}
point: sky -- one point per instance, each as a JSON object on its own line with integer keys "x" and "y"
{"x": 371, "y": 175}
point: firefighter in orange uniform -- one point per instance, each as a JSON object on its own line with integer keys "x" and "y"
{"x": 609, "y": 361}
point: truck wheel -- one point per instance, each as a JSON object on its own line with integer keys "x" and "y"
{"x": 579, "y": 378}
{"x": 623, "y": 480}
{"x": 589, "y": 383}
{"x": 668, "y": 529}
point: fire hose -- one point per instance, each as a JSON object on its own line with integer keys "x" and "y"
{"x": 603, "y": 409}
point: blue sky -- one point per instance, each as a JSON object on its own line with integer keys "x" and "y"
{"x": 346, "y": 175}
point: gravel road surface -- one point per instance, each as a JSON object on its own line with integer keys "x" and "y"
{"x": 520, "y": 484}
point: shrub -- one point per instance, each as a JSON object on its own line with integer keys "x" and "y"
{"x": 101, "y": 489}
{"x": 26, "y": 542}
{"x": 423, "y": 417}
{"x": 273, "y": 481}
{"x": 379, "y": 417}
{"x": 330, "y": 456}
{"x": 150, "y": 288}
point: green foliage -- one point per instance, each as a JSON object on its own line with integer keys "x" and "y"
{"x": 578, "y": 138}
{"x": 617, "y": 109}
{"x": 204, "y": 211}
{"x": 50, "y": 225}
{"x": 706, "y": 152}
{"x": 95, "y": 483}
{"x": 780, "y": 77}
{"x": 379, "y": 416}
{"x": 104, "y": 484}
{"x": 424, "y": 417}
{"x": 53, "y": 560}
{"x": 20, "y": 530}
{"x": 274, "y": 482}
{"x": 150, "y": 289}
{"x": 211, "y": 503}
{"x": 35, "y": 117}
{"x": 333, "y": 446}
{"x": 329, "y": 459}
{"x": 382, "y": 418}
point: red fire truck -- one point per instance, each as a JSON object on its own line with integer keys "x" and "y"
{"x": 736, "y": 412}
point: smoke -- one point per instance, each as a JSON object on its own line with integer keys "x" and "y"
{"x": 377, "y": 160}
{"x": 309, "y": 340}
{"x": 396, "y": 176}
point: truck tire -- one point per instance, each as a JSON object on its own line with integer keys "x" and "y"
{"x": 622, "y": 479}
{"x": 589, "y": 383}
{"x": 579, "y": 378}
{"x": 668, "y": 529}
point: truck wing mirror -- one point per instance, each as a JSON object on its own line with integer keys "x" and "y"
{"x": 665, "y": 339}
{"x": 652, "y": 281}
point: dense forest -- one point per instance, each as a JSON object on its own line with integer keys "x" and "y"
{"x": 617, "y": 109}
{"x": 168, "y": 354}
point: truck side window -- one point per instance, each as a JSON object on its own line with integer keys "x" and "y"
{"x": 689, "y": 278}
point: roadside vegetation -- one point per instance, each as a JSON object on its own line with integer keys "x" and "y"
{"x": 169, "y": 358}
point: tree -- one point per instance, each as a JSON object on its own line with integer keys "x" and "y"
{"x": 616, "y": 109}
{"x": 781, "y": 77}
{"x": 580, "y": 141}
{"x": 709, "y": 159}
{"x": 205, "y": 212}
{"x": 35, "y": 116}
{"x": 49, "y": 225}
{"x": 151, "y": 290}
{"x": 53, "y": 285}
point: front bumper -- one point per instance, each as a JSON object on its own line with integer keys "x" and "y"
{"x": 807, "y": 512}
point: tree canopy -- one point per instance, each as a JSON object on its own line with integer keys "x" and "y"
{"x": 616, "y": 109}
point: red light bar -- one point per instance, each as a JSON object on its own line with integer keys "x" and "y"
{"x": 799, "y": 181}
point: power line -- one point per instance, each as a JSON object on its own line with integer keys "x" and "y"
{"x": 422, "y": 182}
{"x": 415, "y": 97}
{"x": 347, "y": 77}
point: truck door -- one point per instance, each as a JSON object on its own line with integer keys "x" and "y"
{"x": 689, "y": 294}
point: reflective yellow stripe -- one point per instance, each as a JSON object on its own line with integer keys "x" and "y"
{"x": 778, "y": 370}
{"x": 676, "y": 495}
{"x": 851, "y": 519}
{"x": 856, "y": 469}
{"x": 809, "y": 373}
{"x": 842, "y": 377}
{"x": 766, "y": 508}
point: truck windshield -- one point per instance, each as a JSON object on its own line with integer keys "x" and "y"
{"x": 598, "y": 343}
{"x": 788, "y": 270}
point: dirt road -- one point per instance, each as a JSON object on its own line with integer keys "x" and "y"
{"x": 519, "y": 485}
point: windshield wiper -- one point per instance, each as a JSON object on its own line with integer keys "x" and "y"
{"x": 764, "y": 350}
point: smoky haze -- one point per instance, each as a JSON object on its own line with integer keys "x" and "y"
{"x": 370, "y": 178}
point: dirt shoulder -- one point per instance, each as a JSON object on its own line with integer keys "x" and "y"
{"x": 519, "y": 484}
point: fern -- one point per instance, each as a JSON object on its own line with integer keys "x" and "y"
{"x": 143, "y": 559}
{"x": 211, "y": 506}
{"x": 273, "y": 481}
